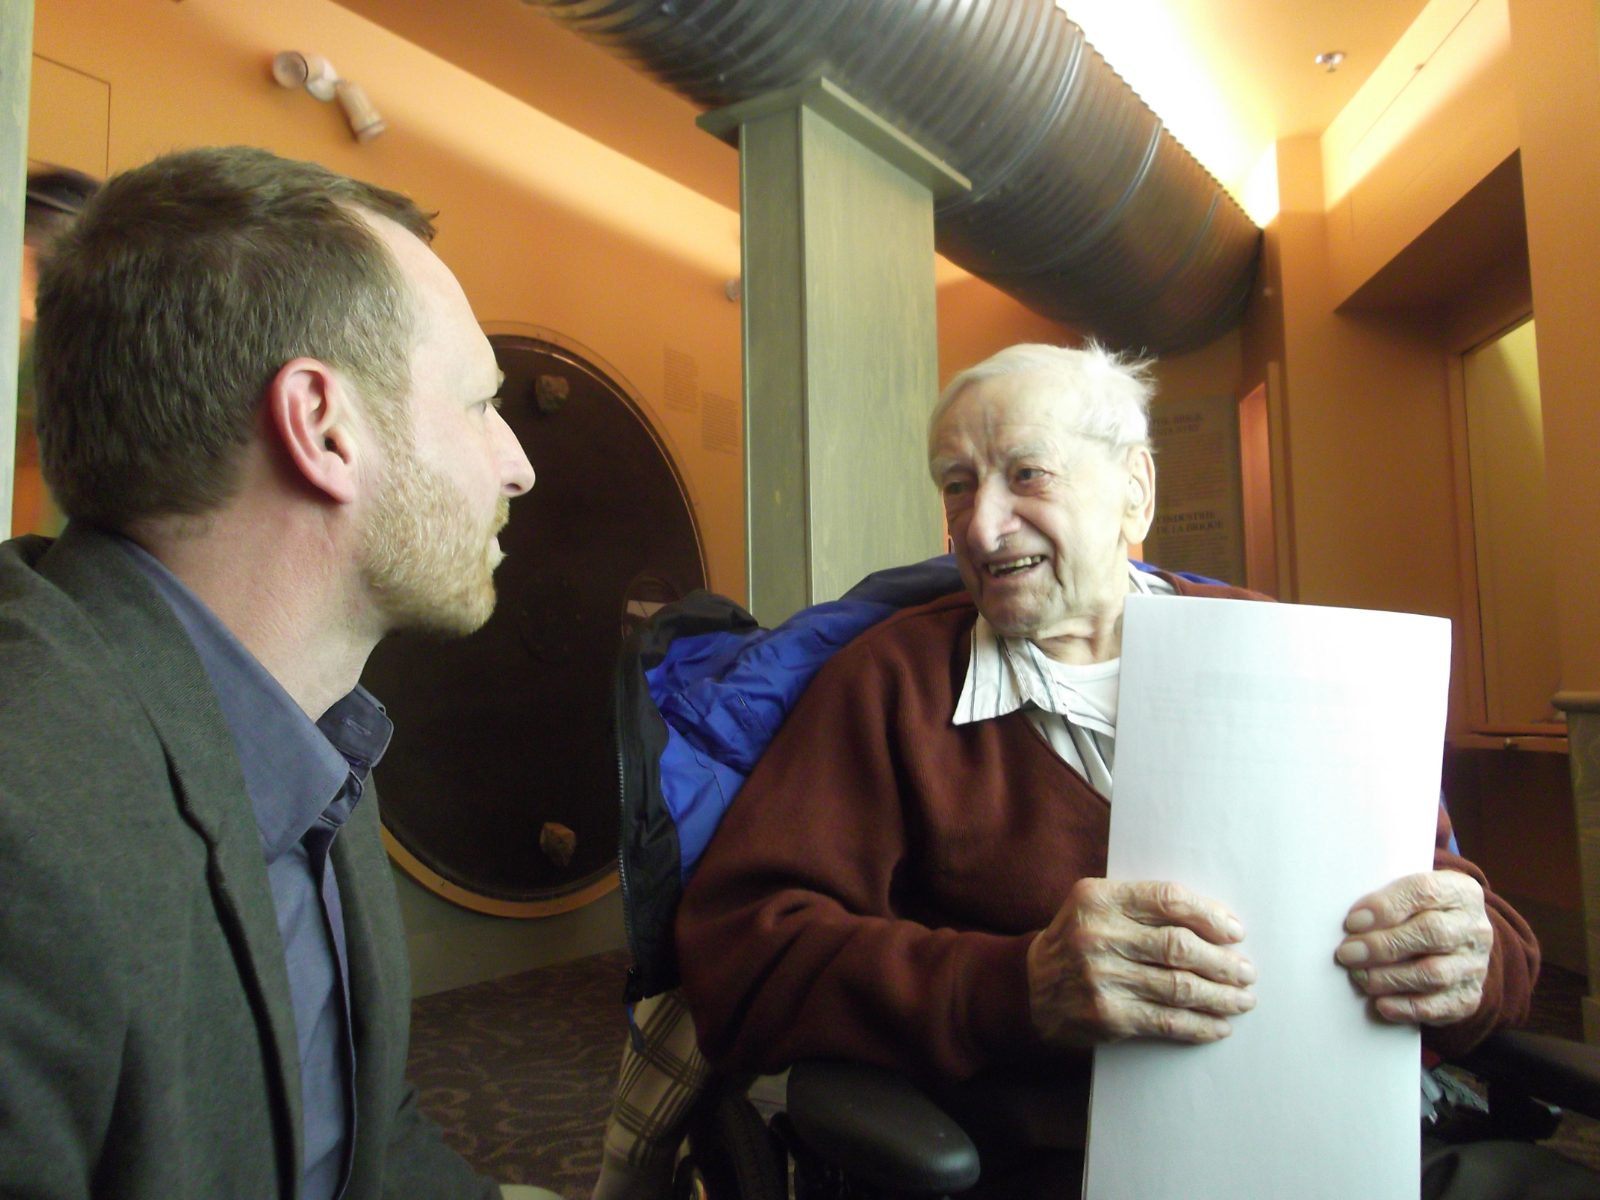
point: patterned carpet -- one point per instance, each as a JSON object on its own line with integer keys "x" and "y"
{"x": 1558, "y": 1004}
{"x": 519, "y": 1071}
{"x": 1558, "y": 1011}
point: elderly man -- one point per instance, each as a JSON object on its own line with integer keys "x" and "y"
{"x": 913, "y": 874}
{"x": 267, "y": 410}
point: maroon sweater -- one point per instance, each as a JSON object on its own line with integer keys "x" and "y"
{"x": 874, "y": 888}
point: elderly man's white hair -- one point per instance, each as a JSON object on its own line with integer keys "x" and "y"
{"x": 1113, "y": 391}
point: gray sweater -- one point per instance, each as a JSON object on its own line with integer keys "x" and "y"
{"x": 147, "y": 1045}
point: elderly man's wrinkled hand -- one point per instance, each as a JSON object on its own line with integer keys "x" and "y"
{"x": 1420, "y": 948}
{"x": 1125, "y": 960}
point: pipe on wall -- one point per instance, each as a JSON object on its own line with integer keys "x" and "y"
{"x": 1083, "y": 206}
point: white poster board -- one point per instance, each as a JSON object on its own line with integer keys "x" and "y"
{"x": 1284, "y": 760}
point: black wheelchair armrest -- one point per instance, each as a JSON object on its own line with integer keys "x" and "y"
{"x": 879, "y": 1128}
{"x": 1554, "y": 1070}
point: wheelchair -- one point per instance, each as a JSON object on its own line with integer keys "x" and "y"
{"x": 856, "y": 1132}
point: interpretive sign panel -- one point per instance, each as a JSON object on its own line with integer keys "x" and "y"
{"x": 1199, "y": 524}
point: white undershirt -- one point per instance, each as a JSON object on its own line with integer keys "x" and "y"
{"x": 1074, "y": 708}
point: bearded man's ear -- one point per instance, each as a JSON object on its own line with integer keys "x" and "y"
{"x": 309, "y": 409}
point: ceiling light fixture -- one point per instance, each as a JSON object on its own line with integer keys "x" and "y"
{"x": 1330, "y": 59}
{"x": 293, "y": 69}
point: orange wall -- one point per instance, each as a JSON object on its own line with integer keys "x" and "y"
{"x": 1367, "y": 419}
{"x": 549, "y": 228}
{"x": 1437, "y": 115}
{"x": 1557, "y": 55}
{"x": 1365, "y": 394}
{"x": 976, "y": 320}
{"x": 543, "y": 226}
{"x": 546, "y": 227}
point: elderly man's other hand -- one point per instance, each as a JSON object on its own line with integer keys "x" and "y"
{"x": 1420, "y": 948}
{"x": 1125, "y": 960}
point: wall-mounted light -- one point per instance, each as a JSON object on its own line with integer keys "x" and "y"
{"x": 292, "y": 69}
{"x": 1330, "y": 59}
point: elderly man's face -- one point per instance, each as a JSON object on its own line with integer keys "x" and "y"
{"x": 1041, "y": 517}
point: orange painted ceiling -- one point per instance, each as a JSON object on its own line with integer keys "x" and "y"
{"x": 1228, "y": 76}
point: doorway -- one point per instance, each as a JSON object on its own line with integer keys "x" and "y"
{"x": 1518, "y": 635}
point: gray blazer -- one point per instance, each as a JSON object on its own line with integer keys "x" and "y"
{"x": 147, "y": 1045}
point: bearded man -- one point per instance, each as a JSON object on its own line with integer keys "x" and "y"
{"x": 913, "y": 874}
{"x": 266, "y": 409}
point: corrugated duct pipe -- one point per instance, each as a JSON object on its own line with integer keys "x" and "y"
{"x": 1083, "y": 206}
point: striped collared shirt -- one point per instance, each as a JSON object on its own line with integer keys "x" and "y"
{"x": 1073, "y": 708}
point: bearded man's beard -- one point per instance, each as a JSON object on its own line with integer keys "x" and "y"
{"x": 428, "y": 562}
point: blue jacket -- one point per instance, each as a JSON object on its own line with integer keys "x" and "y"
{"x": 702, "y": 691}
{"x": 725, "y": 695}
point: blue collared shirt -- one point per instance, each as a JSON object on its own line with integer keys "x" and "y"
{"x": 304, "y": 778}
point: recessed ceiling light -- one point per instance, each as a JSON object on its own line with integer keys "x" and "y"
{"x": 1330, "y": 59}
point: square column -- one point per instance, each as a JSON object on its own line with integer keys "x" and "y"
{"x": 16, "y": 67}
{"x": 840, "y": 342}
{"x": 1583, "y": 739}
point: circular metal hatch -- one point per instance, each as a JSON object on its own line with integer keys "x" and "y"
{"x": 499, "y": 791}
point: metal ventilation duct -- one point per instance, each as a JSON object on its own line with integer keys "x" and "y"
{"x": 1082, "y": 206}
